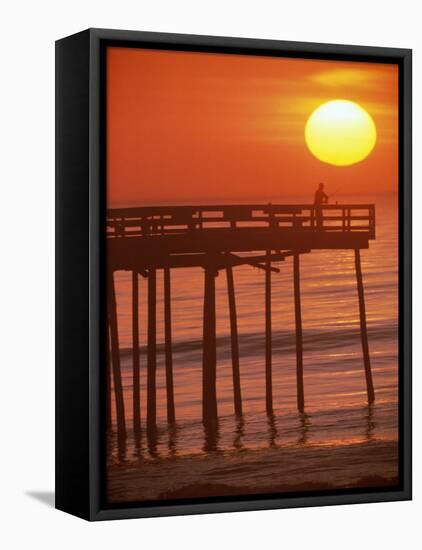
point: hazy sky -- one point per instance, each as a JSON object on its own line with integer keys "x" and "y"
{"x": 191, "y": 127}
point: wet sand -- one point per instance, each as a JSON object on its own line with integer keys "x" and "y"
{"x": 273, "y": 470}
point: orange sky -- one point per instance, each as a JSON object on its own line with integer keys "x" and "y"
{"x": 191, "y": 127}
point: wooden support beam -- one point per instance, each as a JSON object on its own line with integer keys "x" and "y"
{"x": 234, "y": 342}
{"x": 171, "y": 416}
{"x": 152, "y": 353}
{"x": 209, "y": 361}
{"x": 363, "y": 329}
{"x": 135, "y": 355}
{"x": 255, "y": 261}
{"x": 265, "y": 267}
{"x": 172, "y": 261}
{"x": 299, "y": 335}
{"x": 109, "y": 383}
{"x": 268, "y": 339}
{"x": 115, "y": 357}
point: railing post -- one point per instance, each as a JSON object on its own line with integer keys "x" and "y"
{"x": 299, "y": 335}
{"x": 171, "y": 416}
{"x": 234, "y": 342}
{"x": 268, "y": 338}
{"x": 372, "y": 222}
{"x": 363, "y": 329}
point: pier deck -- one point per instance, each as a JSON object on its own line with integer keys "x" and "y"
{"x": 139, "y": 238}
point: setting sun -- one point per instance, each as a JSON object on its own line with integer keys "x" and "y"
{"x": 340, "y": 132}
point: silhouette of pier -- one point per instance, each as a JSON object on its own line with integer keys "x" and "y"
{"x": 149, "y": 240}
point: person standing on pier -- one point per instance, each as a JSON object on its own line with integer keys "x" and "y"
{"x": 320, "y": 198}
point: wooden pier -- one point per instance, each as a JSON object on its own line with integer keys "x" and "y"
{"x": 149, "y": 240}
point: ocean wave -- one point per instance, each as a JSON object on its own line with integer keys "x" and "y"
{"x": 253, "y": 343}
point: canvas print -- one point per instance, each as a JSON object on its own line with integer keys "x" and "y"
{"x": 252, "y": 275}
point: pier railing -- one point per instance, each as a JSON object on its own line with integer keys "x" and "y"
{"x": 177, "y": 220}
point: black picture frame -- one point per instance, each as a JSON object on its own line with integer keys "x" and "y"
{"x": 80, "y": 303}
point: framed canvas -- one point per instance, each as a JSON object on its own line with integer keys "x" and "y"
{"x": 233, "y": 274}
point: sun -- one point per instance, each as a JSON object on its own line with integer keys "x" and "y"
{"x": 340, "y": 132}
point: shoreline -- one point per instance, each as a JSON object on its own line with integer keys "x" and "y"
{"x": 249, "y": 472}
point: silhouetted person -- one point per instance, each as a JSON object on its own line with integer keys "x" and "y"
{"x": 320, "y": 198}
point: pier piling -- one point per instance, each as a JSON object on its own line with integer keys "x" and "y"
{"x": 135, "y": 354}
{"x": 234, "y": 338}
{"x": 268, "y": 339}
{"x": 109, "y": 383}
{"x": 171, "y": 415}
{"x": 152, "y": 353}
{"x": 363, "y": 329}
{"x": 299, "y": 335}
{"x": 209, "y": 368}
{"x": 115, "y": 357}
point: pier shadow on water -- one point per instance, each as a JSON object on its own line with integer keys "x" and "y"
{"x": 247, "y": 432}
{"x": 370, "y": 423}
